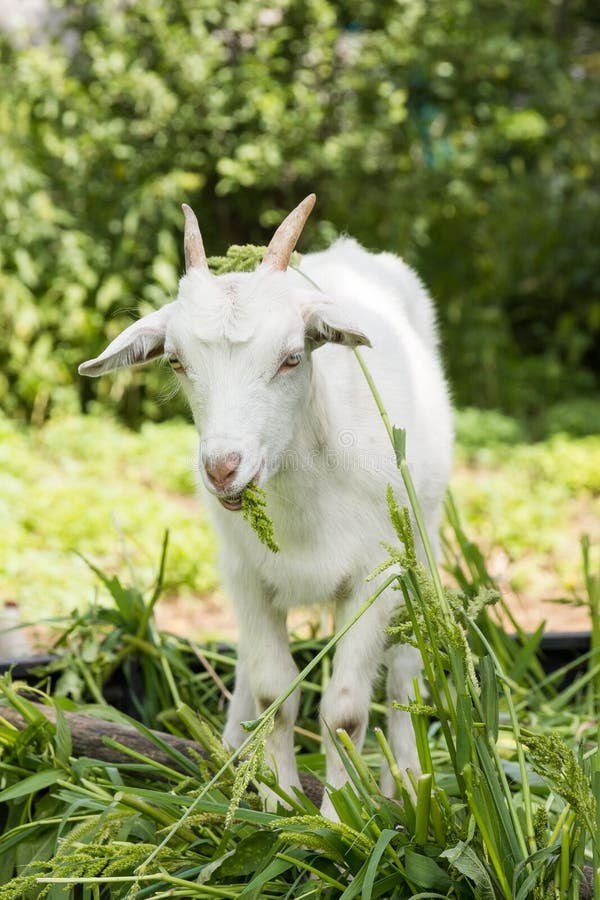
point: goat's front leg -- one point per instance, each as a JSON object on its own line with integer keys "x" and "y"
{"x": 265, "y": 669}
{"x": 347, "y": 698}
{"x": 242, "y": 707}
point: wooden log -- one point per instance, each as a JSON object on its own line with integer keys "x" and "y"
{"x": 88, "y": 734}
{"x": 89, "y": 739}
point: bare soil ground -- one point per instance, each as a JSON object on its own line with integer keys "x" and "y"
{"x": 542, "y": 598}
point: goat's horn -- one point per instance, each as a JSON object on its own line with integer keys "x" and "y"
{"x": 286, "y": 237}
{"x": 193, "y": 248}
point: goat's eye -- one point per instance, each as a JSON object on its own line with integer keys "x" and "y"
{"x": 175, "y": 364}
{"x": 291, "y": 360}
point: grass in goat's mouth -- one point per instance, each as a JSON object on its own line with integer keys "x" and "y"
{"x": 254, "y": 511}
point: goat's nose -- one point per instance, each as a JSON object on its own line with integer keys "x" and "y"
{"x": 222, "y": 469}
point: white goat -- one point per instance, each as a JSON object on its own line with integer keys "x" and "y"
{"x": 279, "y": 399}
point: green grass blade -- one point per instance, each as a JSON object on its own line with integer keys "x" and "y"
{"x": 39, "y": 781}
{"x": 384, "y": 840}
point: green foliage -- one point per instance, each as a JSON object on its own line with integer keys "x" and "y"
{"x": 520, "y": 496}
{"x": 237, "y": 259}
{"x": 84, "y": 482}
{"x": 461, "y": 135}
{"x": 577, "y": 417}
{"x": 244, "y": 258}
{"x": 121, "y": 640}
{"x": 552, "y": 758}
{"x": 477, "y": 429}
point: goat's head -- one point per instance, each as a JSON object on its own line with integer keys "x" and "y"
{"x": 241, "y": 348}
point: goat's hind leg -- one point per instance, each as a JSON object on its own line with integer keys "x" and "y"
{"x": 403, "y": 666}
{"x": 347, "y": 698}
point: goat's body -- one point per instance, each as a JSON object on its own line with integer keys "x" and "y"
{"x": 328, "y": 503}
{"x": 279, "y": 398}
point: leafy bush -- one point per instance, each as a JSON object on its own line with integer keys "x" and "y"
{"x": 462, "y": 135}
{"x": 477, "y": 428}
{"x": 577, "y": 416}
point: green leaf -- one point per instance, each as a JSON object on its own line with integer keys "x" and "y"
{"x": 465, "y": 860}
{"x": 489, "y": 696}
{"x": 399, "y": 442}
{"x": 527, "y": 653}
{"x": 210, "y": 868}
{"x": 251, "y": 853}
{"x": 384, "y": 839}
{"x": 112, "y": 289}
{"x": 424, "y": 871}
{"x": 464, "y": 730}
{"x": 253, "y": 890}
{"x": 32, "y": 784}
{"x": 62, "y": 739}
{"x": 504, "y": 827}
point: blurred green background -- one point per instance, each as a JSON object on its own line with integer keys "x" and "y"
{"x": 460, "y": 133}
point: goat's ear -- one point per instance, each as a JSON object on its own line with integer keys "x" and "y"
{"x": 325, "y": 323}
{"x": 141, "y": 342}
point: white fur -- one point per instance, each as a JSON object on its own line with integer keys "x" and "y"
{"x": 313, "y": 438}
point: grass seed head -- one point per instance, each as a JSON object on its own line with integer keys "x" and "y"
{"x": 254, "y": 511}
{"x": 557, "y": 764}
{"x": 400, "y": 519}
{"x": 251, "y": 766}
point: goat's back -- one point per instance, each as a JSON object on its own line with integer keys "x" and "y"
{"x": 339, "y": 269}
{"x": 388, "y": 302}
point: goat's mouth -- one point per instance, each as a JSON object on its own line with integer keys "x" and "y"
{"x": 231, "y": 502}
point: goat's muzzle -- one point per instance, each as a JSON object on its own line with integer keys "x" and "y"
{"x": 222, "y": 472}
{"x": 233, "y": 501}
